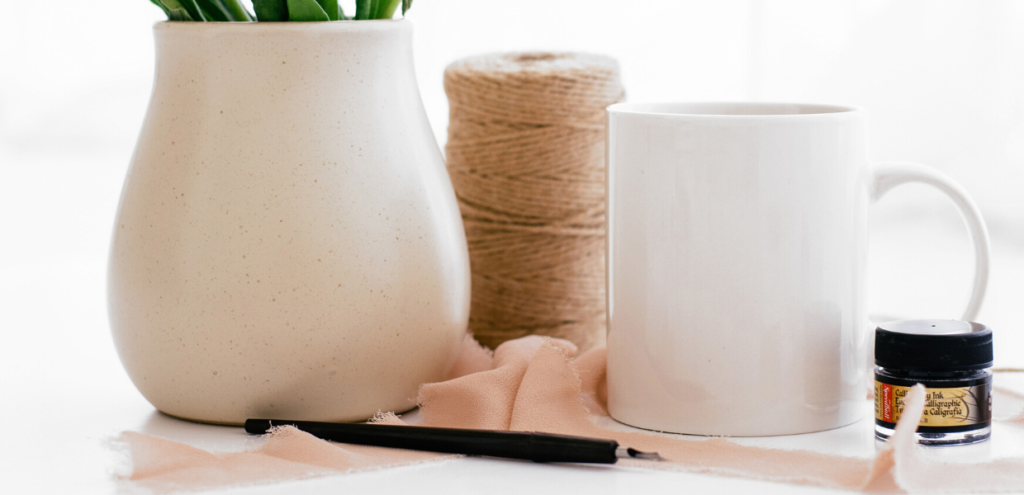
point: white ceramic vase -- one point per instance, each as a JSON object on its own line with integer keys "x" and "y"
{"x": 288, "y": 244}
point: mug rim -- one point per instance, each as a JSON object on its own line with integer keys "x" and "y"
{"x": 733, "y": 109}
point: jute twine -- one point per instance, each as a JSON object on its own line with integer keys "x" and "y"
{"x": 526, "y": 144}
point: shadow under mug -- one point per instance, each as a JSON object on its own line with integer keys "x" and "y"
{"x": 737, "y": 245}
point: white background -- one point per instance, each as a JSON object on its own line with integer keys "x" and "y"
{"x": 943, "y": 82}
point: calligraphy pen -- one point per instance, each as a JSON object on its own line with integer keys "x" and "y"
{"x": 537, "y": 447}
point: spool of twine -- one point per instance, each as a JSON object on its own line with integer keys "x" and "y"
{"x": 526, "y": 145}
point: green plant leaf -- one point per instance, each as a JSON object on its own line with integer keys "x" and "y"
{"x": 179, "y": 15}
{"x": 193, "y": 10}
{"x": 386, "y": 9}
{"x": 214, "y": 11}
{"x": 270, "y": 10}
{"x": 363, "y": 9}
{"x": 331, "y": 8}
{"x": 406, "y": 5}
{"x": 237, "y": 11}
{"x": 174, "y": 10}
{"x": 306, "y": 11}
{"x": 158, "y": 4}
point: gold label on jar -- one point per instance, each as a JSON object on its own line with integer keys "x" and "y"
{"x": 960, "y": 406}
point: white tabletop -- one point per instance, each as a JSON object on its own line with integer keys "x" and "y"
{"x": 65, "y": 393}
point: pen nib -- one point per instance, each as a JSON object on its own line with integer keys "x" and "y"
{"x": 626, "y": 452}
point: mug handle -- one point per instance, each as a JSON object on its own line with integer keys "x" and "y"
{"x": 888, "y": 175}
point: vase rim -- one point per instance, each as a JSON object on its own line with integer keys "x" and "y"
{"x": 366, "y": 25}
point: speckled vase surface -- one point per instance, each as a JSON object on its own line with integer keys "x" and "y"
{"x": 288, "y": 243}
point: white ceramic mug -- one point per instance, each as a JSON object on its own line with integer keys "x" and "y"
{"x": 736, "y": 264}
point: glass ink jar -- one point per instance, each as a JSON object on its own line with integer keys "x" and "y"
{"x": 953, "y": 360}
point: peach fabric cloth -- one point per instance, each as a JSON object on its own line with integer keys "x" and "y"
{"x": 535, "y": 384}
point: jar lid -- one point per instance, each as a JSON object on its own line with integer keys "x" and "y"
{"x": 933, "y": 345}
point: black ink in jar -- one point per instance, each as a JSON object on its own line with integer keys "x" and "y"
{"x": 953, "y": 360}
